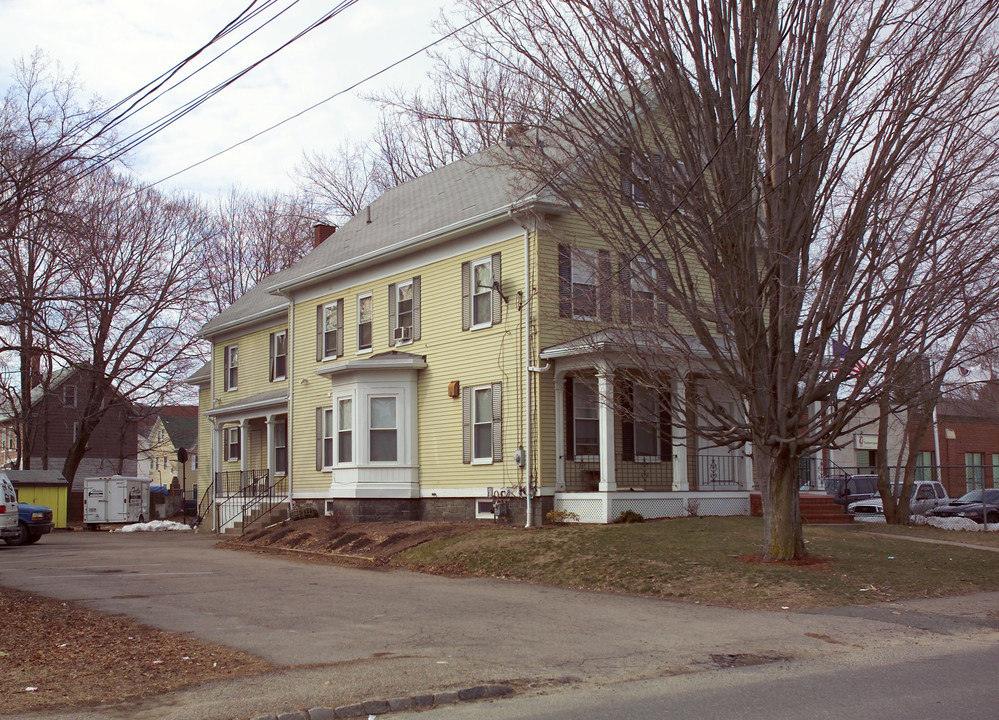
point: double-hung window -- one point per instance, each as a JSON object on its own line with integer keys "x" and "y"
{"x": 383, "y": 443}
{"x": 974, "y": 471}
{"x": 482, "y": 429}
{"x": 232, "y": 444}
{"x": 646, "y": 411}
{"x": 364, "y": 320}
{"x": 586, "y": 419}
{"x": 281, "y": 446}
{"x": 404, "y": 312}
{"x": 279, "y": 355}
{"x": 69, "y": 396}
{"x": 480, "y": 293}
{"x": 584, "y": 283}
{"x": 345, "y": 427}
{"x": 329, "y": 330}
{"x": 642, "y": 287}
{"x": 230, "y": 363}
{"x": 325, "y": 431}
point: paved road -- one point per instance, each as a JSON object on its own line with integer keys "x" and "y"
{"x": 343, "y": 634}
{"x": 905, "y": 683}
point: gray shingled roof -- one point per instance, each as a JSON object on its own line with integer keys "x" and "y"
{"x": 183, "y": 431}
{"x": 461, "y": 192}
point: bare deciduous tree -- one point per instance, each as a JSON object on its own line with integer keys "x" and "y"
{"x": 253, "y": 236}
{"x": 135, "y": 281}
{"x": 798, "y": 173}
{"x": 47, "y": 139}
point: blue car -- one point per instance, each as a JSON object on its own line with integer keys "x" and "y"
{"x": 33, "y": 521}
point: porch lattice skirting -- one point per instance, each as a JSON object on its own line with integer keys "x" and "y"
{"x": 604, "y": 507}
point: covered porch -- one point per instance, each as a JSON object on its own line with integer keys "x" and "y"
{"x": 627, "y": 439}
{"x": 249, "y": 460}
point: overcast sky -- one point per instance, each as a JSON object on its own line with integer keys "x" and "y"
{"x": 116, "y": 46}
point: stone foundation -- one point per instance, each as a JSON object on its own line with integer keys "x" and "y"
{"x": 428, "y": 509}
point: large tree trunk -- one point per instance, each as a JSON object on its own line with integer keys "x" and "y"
{"x": 782, "y": 535}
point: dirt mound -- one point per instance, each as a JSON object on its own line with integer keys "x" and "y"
{"x": 373, "y": 540}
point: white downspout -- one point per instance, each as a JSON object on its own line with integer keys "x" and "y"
{"x": 527, "y": 375}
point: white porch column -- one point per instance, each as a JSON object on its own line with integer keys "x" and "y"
{"x": 605, "y": 390}
{"x": 271, "y": 421}
{"x": 216, "y": 456}
{"x": 244, "y": 445}
{"x": 559, "y": 431}
{"x": 679, "y": 440}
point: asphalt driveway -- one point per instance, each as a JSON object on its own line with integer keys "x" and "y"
{"x": 343, "y": 634}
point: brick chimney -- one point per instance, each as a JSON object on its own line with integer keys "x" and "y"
{"x": 322, "y": 231}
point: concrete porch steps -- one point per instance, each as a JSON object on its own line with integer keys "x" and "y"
{"x": 257, "y": 520}
{"x": 816, "y": 509}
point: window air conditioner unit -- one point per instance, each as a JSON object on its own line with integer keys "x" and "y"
{"x": 403, "y": 334}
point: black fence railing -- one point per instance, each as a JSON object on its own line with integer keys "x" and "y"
{"x": 713, "y": 473}
{"x": 248, "y": 482}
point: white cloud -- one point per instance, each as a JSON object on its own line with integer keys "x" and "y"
{"x": 119, "y": 45}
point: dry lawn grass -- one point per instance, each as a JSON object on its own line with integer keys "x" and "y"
{"x": 55, "y": 654}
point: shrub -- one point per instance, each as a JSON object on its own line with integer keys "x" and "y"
{"x": 628, "y": 516}
{"x": 560, "y": 517}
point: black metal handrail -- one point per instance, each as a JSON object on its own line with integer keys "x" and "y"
{"x": 258, "y": 496}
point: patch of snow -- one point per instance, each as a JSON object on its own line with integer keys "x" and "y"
{"x": 155, "y": 526}
{"x": 954, "y": 523}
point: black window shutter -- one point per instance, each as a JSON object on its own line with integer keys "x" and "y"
{"x": 497, "y": 422}
{"x": 339, "y": 327}
{"x": 497, "y": 284}
{"x": 624, "y": 283}
{"x": 627, "y": 186}
{"x": 466, "y": 296}
{"x": 271, "y": 357}
{"x": 466, "y": 425}
{"x": 391, "y": 315}
{"x": 319, "y": 438}
{"x": 564, "y": 281}
{"x": 225, "y": 368}
{"x": 665, "y": 427}
{"x": 570, "y": 427}
{"x": 662, "y": 306}
{"x": 320, "y": 352}
{"x": 604, "y": 291}
{"x": 625, "y": 389}
{"x": 416, "y": 308}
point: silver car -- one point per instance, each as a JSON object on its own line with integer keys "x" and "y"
{"x": 926, "y": 495}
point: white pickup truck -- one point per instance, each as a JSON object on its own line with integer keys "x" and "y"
{"x": 926, "y": 495}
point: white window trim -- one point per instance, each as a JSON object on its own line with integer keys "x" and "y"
{"x": 227, "y": 355}
{"x": 656, "y": 410}
{"x": 353, "y": 431}
{"x": 326, "y": 308}
{"x": 367, "y": 350}
{"x": 274, "y": 354}
{"x": 329, "y": 427}
{"x": 488, "y": 261}
{"x": 229, "y": 432}
{"x": 577, "y": 382}
{"x": 481, "y": 460}
{"x": 399, "y": 409}
{"x": 395, "y": 321}
{"x": 584, "y": 256}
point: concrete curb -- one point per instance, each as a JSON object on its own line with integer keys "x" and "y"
{"x": 380, "y": 707}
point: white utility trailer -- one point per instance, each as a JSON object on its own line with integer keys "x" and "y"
{"x": 115, "y": 499}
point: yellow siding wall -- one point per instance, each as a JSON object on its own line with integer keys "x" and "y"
{"x": 204, "y": 438}
{"x": 253, "y": 377}
{"x": 471, "y": 357}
